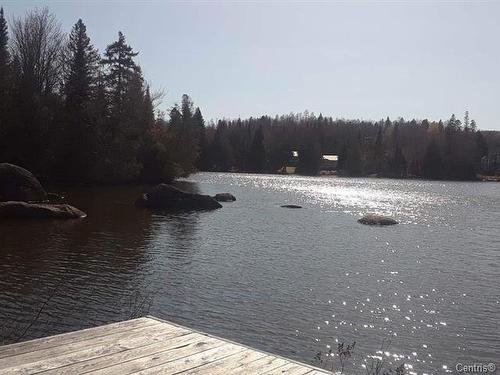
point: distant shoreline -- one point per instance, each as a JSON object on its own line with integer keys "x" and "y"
{"x": 480, "y": 178}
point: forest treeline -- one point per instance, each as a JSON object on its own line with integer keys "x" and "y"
{"x": 73, "y": 115}
{"x": 429, "y": 149}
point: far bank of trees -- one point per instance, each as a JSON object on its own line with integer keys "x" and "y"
{"x": 429, "y": 149}
{"x": 71, "y": 114}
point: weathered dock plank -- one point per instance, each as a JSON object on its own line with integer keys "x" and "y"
{"x": 142, "y": 346}
{"x": 58, "y": 340}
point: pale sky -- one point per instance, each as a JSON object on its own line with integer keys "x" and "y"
{"x": 350, "y": 59}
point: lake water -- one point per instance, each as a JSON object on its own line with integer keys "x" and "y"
{"x": 291, "y": 282}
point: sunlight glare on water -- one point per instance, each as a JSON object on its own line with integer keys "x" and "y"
{"x": 293, "y": 282}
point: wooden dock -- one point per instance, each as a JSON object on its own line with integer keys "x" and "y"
{"x": 142, "y": 346}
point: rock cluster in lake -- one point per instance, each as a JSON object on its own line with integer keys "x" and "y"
{"x": 169, "y": 197}
{"x": 224, "y": 197}
{"x": 18, "y": 184}
{"x": 374, "y": 219}
{"x": 23, "y": 196}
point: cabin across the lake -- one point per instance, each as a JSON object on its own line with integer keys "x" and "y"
{"x": 328, "y": 165}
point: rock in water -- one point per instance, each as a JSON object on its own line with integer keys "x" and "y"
{"x": 224, "y": 197}
{"x": 39, "y": 211}
{"x": 18, "y": 184}
{"x": 373, "y": 219}
{"x": 165, "y": 196}
{"x": 291, "y": 206}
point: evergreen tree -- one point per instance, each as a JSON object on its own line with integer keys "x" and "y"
{"x": 4, "y": 39}
{"x": 124, "y": 128}
{"x": 433, "y": 166}
{"x": 79, "y": 134}
{"x": 398, "y": 164}
{"x": 5, "y": 79}
{"x": 149, "y": 115}
{"x": 175, "y": 119}
{"x": 119, "y": 60}
{"x": 466, "y": 121}
{"x": 481, "y": 147}
{"x": 186, "y": 110}
{"x": 200, "y": 131}
{"x": 221, "y": 159}
{"x": 310, "y": 158}
{"x": 378, "y": 152}
{"x": 453, "y": 124}
{"x": 4, "y": 57}
{"x": 257, "y": 153}
{"x": 157, "y": 162}
{"x": 353, "y": 159}
{"x": 198, "y": 123}
{"x": 82, "y": 67}
{"x": 473, "y": 125}
{"x": 186, "y": 150}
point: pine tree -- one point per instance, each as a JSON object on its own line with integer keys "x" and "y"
{"x": 481, "y": 148}
{"x": 310, "y": 158}
{"x": 82, "y": 67}
{"x": 473, "y": 125}
{"x": 5, "y": 78}
{"x": 198, "y": 121}
{"x": 432, "y": 165}
{"x": 186, "y": 110}
{"x": 221, "y": 160}
{"x": 453, "y": 124}
{"x": 4, "y": 54}
{"x": 199, "y": 126}
{"x": 466, "y": 121}
{"x": 399, "y": 163}
{"x": 78, "y": 140}
{"x": 257, "y": 153}
{"x": 378, "y": 151}
{"x": 125, "y": 125}
{"x": 119, "y": 60}
{"x": 149, "y": 115}
{"x": 353, "y": 162}
{"x": 175, "y": 123}
{"x": 181, "y": 127}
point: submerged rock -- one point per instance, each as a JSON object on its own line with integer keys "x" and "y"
{"x": 291, "y": 206}
{"x": 18, "y": 184}
{"x": 165, "y": 196}
{"x": 374, "y": 219}
{"x": 224, "y": 197}
{"x": 15, "y": 209}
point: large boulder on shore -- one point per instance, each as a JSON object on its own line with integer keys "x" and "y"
{"x": 165, "y": 196}
{"x": 18, "y": 184}
{"x": 374, "y": 219}
{"x": 25, "y": 210}
{"x": 224, "y": 197}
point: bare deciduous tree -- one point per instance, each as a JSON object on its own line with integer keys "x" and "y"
{"x": 37, "y": 42}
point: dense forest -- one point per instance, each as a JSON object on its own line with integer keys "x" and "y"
{"x": 436, "y": 150}
{"x": 73, "y": 115}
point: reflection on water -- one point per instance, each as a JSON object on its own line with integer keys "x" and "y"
{"x": 291, "y": 282}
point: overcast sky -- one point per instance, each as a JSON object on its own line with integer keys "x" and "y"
{"x": 352, "y": 59}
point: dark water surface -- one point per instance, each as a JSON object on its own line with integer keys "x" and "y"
{"x": 290, "y": 282}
